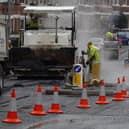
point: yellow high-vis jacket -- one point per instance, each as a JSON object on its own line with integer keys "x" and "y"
{"x": 109, "y": 35}
{"x": 93, "y": 54}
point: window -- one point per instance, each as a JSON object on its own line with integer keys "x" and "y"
{"x": 22, "y": 24}
{"x": 44, "y": 2}
{"x": 98, "y": 2}
{"x": 120, "y": 2}
{"x": 110, "y": 2}
{"x": 81, "y": 2}
{"x": 116, "y": 2}
{"x": 123, "y": 2}
{"x": 85, "y": 2}
{"x": 91, "y": 2}
{"x": 21, "y": 1}
{"x": 13, "y": 1}
{"x": 40, "y": 2}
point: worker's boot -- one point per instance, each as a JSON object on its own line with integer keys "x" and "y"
{"x": 88, "y": 80}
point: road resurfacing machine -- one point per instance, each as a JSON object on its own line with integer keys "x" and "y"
{"x": 47, "y": 49}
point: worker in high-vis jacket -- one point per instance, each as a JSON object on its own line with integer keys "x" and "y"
{"x": 93, "y": 60}
{"x": 109, "y": 35}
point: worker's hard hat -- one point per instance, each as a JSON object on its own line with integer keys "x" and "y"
{"x": 90, "y": 43}
{"x": 109, "y": 34}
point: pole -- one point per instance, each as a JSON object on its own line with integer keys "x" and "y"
{"x": 73, "y": 36}
{"x": 9, "y": 17}
{"x": 56, "y": 38}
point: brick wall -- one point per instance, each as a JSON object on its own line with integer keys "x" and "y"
{"x": 16, "y": 10}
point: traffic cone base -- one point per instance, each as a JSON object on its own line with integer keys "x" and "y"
{"x": 84, "y": 104}
{"x": 124, "y": 94}
{"x": 12, "y": 117}
{"x": 55, "y": 108}
{"x": 38, "y": 110}
{"x": 102, "y": 100}
{"x": 118, "y": 97}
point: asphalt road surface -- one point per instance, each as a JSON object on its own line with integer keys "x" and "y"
{"x": 114, "y": 115}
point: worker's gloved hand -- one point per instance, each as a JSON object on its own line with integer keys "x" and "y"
{"x": 87, "y": 62}
{"x": 83, "y": 52}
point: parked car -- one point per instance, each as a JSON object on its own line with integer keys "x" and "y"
{"x": 123, "y": 37}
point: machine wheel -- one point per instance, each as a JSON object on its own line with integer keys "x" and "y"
{"x": 1, "y": 79}
{"x": 95, "y": 82}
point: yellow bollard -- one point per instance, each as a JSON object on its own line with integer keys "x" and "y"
{"x": 77, "y": 75}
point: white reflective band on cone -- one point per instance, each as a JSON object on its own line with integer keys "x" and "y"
{"x": 39, "y": 98}
{"x": 118, "y": 88}
{"x": 84, "y": 93}
{"x": 13, "y": 106}
{"x": 56, "y": 97}
{"x": 124, "y": 86}
{"x": 102, "y": 91}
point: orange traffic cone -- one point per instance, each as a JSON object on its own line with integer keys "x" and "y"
{"x": 55, "y": 107}
{"x": 38, "y": 107}
{"x": 12, "y": 116}
{"x": 84, "y": 100}
{"x": 117, "y": 95}
{"x": 124, "y": 91}
{"x": 102, "y": 96}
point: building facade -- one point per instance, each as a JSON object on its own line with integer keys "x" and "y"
{"x": 96, "y": 17}
{"x": 94, "y": 13}
{"x": 12, "y": 12}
